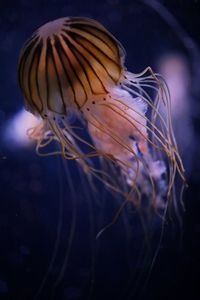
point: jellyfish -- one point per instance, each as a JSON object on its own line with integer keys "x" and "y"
{"x": 74, "y": 66}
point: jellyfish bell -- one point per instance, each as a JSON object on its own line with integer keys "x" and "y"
{"x": 66, "y": 63}
{"x": 75, "y": 65}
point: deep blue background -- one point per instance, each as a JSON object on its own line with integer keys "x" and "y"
{"x": 37, "y": 205}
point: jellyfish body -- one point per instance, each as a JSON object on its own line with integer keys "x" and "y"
{"x": 75, "y": 66}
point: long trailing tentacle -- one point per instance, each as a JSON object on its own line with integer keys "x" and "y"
{"x": 136, "y": 84}
{"x": 155, "y": 81}
{"x": 49, "y": 131}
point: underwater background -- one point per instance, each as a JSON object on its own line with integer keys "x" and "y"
{"x": 50, "y": 216}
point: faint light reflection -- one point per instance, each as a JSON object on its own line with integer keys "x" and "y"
{"x": 175, "y": 70}
{"x": 16, "y": 129}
